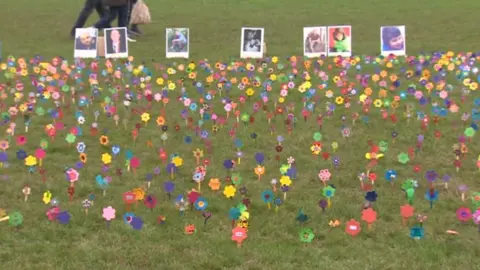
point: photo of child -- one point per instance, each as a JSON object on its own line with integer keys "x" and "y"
{"x": 252, "y": 43}
{"x": 392, "y": 40}
{"x": 340, "y": 42}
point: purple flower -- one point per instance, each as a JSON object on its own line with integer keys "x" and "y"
{"x": 420, "y": 138}
{"x": 285, "y": 188}
{"x": 259, "y": 157}
{"x": 79, "y": 165}
{"x": 169, "y": 187}
{"x": 446, "y": 178}
{"x": 323, "y": 204}
{"x": 431, "y": 176}
{"x": 63, "y": 217}
{"x": 462, "y": 188}
{"x": 149, "y": 177}
{"x": 156, "y": 171}
{"x": 3, "y": 157}
{"x": 105, "y": 168}
{"x": 228, "y": 164}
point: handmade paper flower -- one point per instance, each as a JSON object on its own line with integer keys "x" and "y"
{"x": 324, "y": 175}
{"x": 103, "y": 140}
{"x": 306, "y": 235}
{"x": 328, "y": 191}
{"x": 403, "y": 158}
{"x": 259, "y": 170}
{"x": 177, "y": 161}
{"x": 267, "y": 196}
{"x": 229, "y": 191}
{"x": 236, "y": 179}
{"x": 285, "y": 181}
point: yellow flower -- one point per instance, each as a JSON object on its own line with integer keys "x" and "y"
{"x": 302, "y": 89}
{"x": 329, "y": 93}
{"x": 198, "y": 153}
{"x": 339, "y": 100}
{"x": 307, "y": 84}
{"x": 229, "y": 191}
{"x": 281, "y": 99}
{"x": 375, "y": 77}
{"x": 160, "y": 81}
{"x": 31, "y": 161}
{"x": 191, "y": 66}
{"x": 139, "y": 194}
{"x": 171, "y": 86}
{"x": 273, "y": 77}
{"x": 378, "y": 103}
{"x": 250, "y": 92}
{"x": 177, "y": 161}
{"x": 285, "y": 181}
{"x": 274, "y": 59}
{"x": 171, "y": 71}
{"x": 473, "y": 86}
{"x": 145, "y": 117}
{"x": 106, "y": 158}
{"x": 245, "y": 215}
{"x": 362, "y": 98}
{"x": 47, "y": 197}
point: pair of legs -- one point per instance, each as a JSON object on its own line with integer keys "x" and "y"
{"x": 87, "y": 10}
{"x": 178, "y": 44}
{"x": 123, "y": 13}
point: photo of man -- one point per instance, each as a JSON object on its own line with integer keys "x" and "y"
{"x": 116, "y": 42}
{"x": 177, "y": 40}
{"x": 85, "y": 43}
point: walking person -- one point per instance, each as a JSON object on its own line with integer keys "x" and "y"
{"x": 87, "y": 10}
{"x": 133, "y": 27}
{"x": 116, "y": 8}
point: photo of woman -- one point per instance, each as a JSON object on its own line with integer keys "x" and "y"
{"x": 314, "y": 41}
{"x": 340, "y": 42}
{"x": 392, "y": 40}
{"x": 252, "y": 43}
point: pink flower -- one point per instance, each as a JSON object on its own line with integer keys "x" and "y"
{"x": 108, "y": 213}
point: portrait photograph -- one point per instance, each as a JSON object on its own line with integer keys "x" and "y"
{"x": 177, "y": 42}
{"x": 252, "y": 43}
{"x": 315, "y": 41}
{"x": 116, "y": 45}
{"x": 340, "y": 40}
{"x": 85, "y": 45}
{"x": 393, "y": 40}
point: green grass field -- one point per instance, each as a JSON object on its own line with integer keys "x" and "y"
{"x": 42, "y": 27}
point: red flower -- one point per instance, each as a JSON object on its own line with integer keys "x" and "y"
{"x": 416, "y": 168}
{"x": 352, "y": 227}
{"x": 372, "y": 176}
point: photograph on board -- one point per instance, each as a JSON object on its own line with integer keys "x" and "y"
{"x": 177, "y": 42}
{"x": 340, "y": 40}
{"x": 315, "y": 41}
{"x": 252, "y": 43}
{"x": 85, "y": 45}
{"x": 116, "y": 45}
{"x": 393, "y": 40}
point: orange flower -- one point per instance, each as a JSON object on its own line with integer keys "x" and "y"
{"x": 259, "y": 170}
{"x": 214, "y": 184}
{"x": 83, "y": 158}
{"x": 104, "y": 140}
{"x": 160, "y": 121}
{"x": 190, "y": 229}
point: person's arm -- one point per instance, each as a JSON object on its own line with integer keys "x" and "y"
{"x": 310, "y": 44}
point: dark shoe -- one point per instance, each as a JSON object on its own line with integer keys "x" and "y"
{"x": 131, "y": 33}
{"x": 134, "y": 28}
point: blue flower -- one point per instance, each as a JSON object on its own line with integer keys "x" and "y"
{"x": 390, "y": 175}
{"x": 201, "y": 204}
{"x": 115, "y": 150}
{"x": 128, "y": 217}
{"x": 417, "y": 233}
{"x": 187, "y": 139}
{"x": 267, "y": 196}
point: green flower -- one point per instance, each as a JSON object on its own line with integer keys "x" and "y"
{"x": 328, "y": 191}
{"x": 317, "y": 136}
{"x": 383, "y": 145}
{"x": 469, "y": 132}
{"x": 284, "y": 168}
{"x": 71, "y": 138}
{"x": 306, "y": 235}
{"x": 403, "y": 158}
{"x": 245, "y": 117}
{"x": 15, "y": 219}
{"x": 236, "y": 179}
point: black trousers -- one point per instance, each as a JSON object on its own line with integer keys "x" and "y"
{"x": 87, "y": 10}
{"x": 121, "y": 12}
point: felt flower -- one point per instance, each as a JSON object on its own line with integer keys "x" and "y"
{"x": 229, "y": 191}
{"x": 306, "y": 235}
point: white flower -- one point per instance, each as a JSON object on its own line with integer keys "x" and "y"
{"x": 81, "y": 120}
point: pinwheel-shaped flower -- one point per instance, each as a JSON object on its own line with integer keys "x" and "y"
{"x": 306, "y": 235}
{"x": 316, "y": 148}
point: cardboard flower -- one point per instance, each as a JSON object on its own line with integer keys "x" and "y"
{"x": 306, "y": 235}
{"x": 229, "y": 191}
